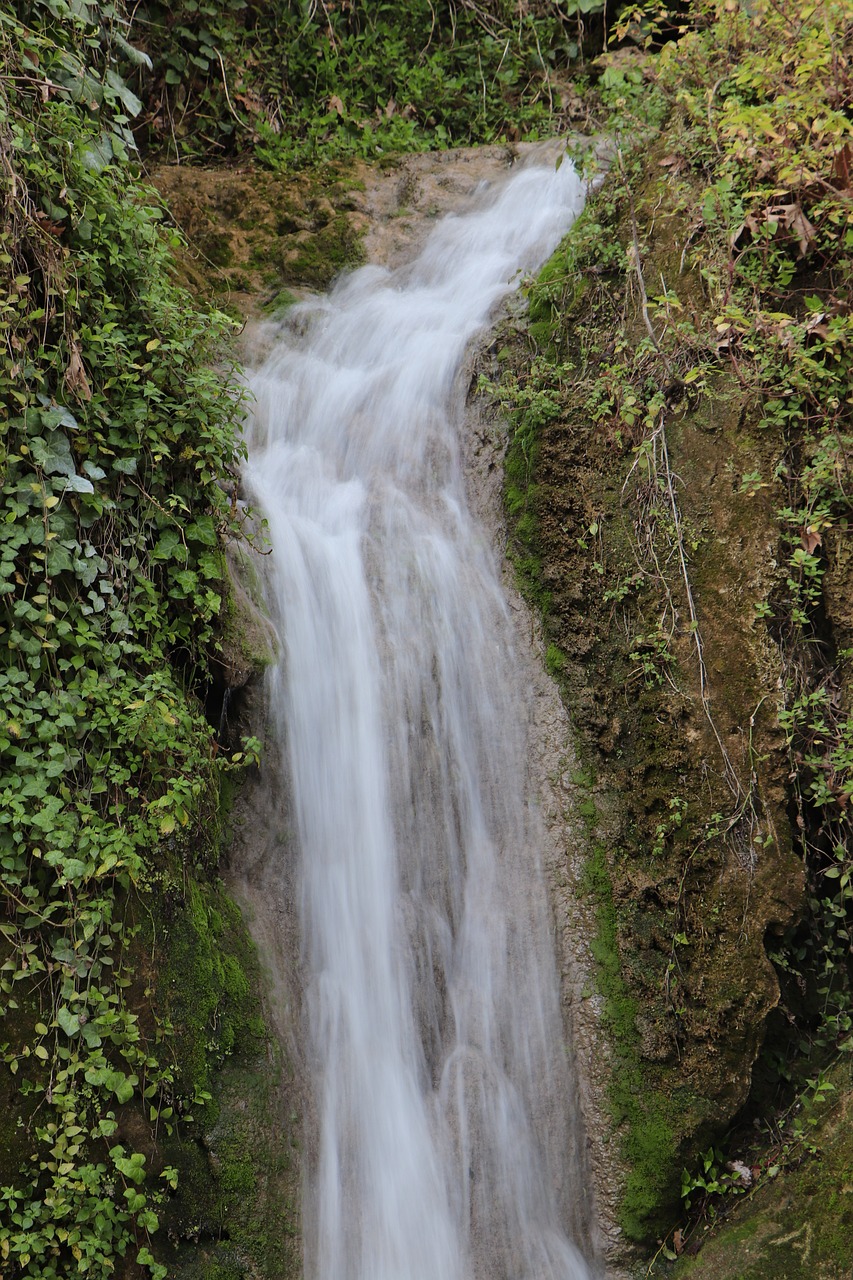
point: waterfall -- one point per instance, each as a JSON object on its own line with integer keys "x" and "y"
{"x": 446, "y": 1143}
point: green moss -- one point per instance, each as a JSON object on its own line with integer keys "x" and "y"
{"x": 237, "y": 1188}
{"x": 234, "y": 1212}
{"x": 206, "y": 983}
{"x": 639, "y": 1113}
{"x": 318, "y": 260}
{"x": 555, "y": 660}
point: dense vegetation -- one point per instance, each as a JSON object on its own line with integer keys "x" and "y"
{"x": 295, "y": 82}
{"x": 116, "y": 434}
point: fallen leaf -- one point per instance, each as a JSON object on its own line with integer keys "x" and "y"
{"x": 842, "y": 166}
{"x": 336, "y": 105}
{"x": 811, "y": 539}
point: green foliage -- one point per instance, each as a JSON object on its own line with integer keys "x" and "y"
{"x": 115, "y": 434}
{"x": 297, "y": 83}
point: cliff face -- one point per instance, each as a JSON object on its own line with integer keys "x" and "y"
{"x": 674, "y": 485}
{"x": 674, "y": 702}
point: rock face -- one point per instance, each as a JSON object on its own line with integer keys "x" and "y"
{"x": 248, "y": 640}
{"x": 650, "y": 562}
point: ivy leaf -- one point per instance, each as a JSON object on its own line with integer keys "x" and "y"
{"x": 124, "y": 1092}
{"x": 79, "y": 484}
{"x": 167, "y": 544}
{"x": 53, "y": 416}
{"x": 68, "y": 1021}
{"x": 53, "y": 455}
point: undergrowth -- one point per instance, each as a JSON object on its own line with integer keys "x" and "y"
{"x": 293, "y": 83}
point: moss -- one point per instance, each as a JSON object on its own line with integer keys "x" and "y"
{"x": 234, "y": 1212}
{"x": 206, "y": 983}
{"x": 798, "y": 1225}
{"x": 237, "y": 1201}
{"x": 684, "y": 1018}
{"x": 317, "y": 260}
{"x": 639, "y": 1114}
{"x": 254, "y": 234}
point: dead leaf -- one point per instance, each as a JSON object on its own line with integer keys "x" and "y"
{"x": 802, "y": 229}
{"x": 811, "y": 539}
{"x": 47, "y": 225}
{"x": 390, "y": 108}
{"x": 678, "y": 1242}
{"x": 336, "y": 105}
{"x": 75, "y": 380}
{"x": 842, "y": 166}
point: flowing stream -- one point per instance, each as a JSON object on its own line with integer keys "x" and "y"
{"x": 447, "y": 1143}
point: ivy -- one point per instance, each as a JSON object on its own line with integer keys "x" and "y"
{"x": 117, "y": 432}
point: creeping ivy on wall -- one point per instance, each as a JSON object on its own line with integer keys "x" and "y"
{"x": 116, "y": 432}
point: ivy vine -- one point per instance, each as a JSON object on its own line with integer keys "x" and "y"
{"x": 116, "y": 433}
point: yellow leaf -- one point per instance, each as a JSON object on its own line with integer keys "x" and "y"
{"x": 152, "y": 345}
{"x": 167, "y": 825}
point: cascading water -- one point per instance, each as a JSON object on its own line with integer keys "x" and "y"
{"x": 447, "y": 1143}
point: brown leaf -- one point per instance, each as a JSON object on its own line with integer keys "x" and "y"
{"x": 842, "y": 166}
{"x": 811, "y": 539}
{"x": 75, "y": 379}
{"x": 45, "y": 223}
{"x": 336, "y": 105}
{"x": 802, "y": 229}
{"x": 678, "y": 1241}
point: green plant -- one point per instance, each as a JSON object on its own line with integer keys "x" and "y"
{"x": 116, "y": 434}
{"x": 294, "y": 85}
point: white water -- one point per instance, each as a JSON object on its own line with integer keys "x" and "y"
{"x": 447, "y": 1147}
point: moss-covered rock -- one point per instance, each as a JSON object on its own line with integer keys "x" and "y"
{"x": 247, "y": 641}
{"x": 253, "y": 234}
{"x": 798, "y": 1223}
{"x": 649, "y": 564}
{"x": 234, "y": 1212}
